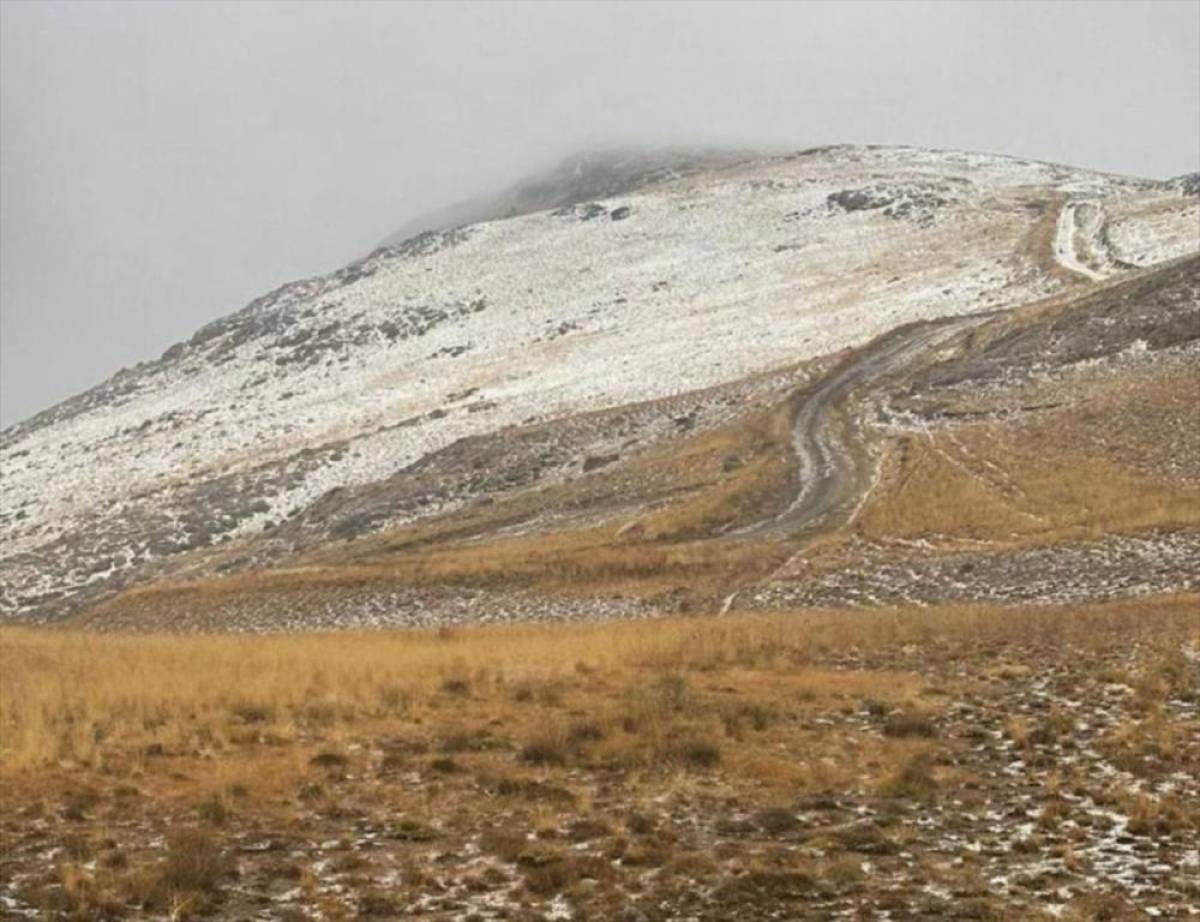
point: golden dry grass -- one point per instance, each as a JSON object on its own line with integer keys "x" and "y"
{"x": 579, "y": 758}
{"x": 981, "y": 484}
{"x": 1106, "y": 454}
{"x": 673, "y": 491}
{"x": 76, "y": 696}
{"x": 582, "y": 563}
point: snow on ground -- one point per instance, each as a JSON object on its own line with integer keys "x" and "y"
{"x": 1077, "y": 243}
{"x": 1143, "y": 232}
{"x": 346, "y": 379}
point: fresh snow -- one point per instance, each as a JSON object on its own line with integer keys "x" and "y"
{"x": 696, "y": 281}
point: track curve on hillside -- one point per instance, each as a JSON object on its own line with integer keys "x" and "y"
{"x": 555, "y": 351}
{"x": 830, "y": 472}
{"x": 1079, "y": 244}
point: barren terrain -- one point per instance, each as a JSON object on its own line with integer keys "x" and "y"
{"x": 690, "y": 537}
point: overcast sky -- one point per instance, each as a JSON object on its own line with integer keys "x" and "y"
{"x": 162, "y": 164}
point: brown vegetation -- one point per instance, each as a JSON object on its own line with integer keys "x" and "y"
{"x": 586, "y": 761}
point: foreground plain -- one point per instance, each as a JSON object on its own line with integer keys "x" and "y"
{"x": 947, "y": 762}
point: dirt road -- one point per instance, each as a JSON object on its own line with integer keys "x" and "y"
{"x": 1079, "y": 244}
{"x": 831, "y": 473}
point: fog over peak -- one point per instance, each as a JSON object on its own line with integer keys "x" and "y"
{"x": 163, "y": 164}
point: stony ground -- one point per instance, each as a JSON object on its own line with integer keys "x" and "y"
{"x": 994, "y": 771}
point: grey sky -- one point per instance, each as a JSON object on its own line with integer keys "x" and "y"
{"x": 162, "y": 164}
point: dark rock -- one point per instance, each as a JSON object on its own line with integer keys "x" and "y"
{"x": 1187, "y": 184}
{"x": 594, "y": 462}
{"x": 582, "y": 212}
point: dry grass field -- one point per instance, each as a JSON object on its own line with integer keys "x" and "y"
{"x": 956, "y": 762}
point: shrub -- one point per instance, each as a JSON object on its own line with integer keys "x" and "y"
{"x": 1181, "y": 674}
{"x": 548, "y": 748}
{"x": 212, "y": 810}
{"x": 194, "y": 870}
{"x": 1151, "y": 816}
{"x": 253, "y": 712}
{"x": 456, "y": 685}
{"x": 584, "y": 731}
{"x": 909, "y": 724}
{"x": 529, "y": 789}
{"x": 912, "y": 779}
{"x": 83, "y": 896}
{"x": 377, "y": 904}
{"x": 1054, "y": 728}
{"x": 506, "y": 846}
{"x": 764, "y": 886}
{"x": 669, "y": 692}
{"x": 408, "y": 829}
{"x": 698, "y": 753}
{"x": 759, "y": 716}
{"x": 394, "y": 698}
{"x": 549, "y": 870}
{"x": 776, "y": 820}
{"x": 329, "y": 759}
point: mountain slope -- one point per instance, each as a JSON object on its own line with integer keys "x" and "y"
{"x": 582, "y": 178}
{"x": 602, "y": 398}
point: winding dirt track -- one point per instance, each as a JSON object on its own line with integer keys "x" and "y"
{"x": 831, "y": 473}
{"x": 1079, "y": 243}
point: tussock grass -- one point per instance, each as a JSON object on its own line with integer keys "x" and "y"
{"x": 978, "y": 484}
{"x": 185, "y": 884}
{"x": 582, "y": 563}
{"x": 89, "y": 698}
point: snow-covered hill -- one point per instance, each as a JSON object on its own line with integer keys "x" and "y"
{"x": 700, "y": 278}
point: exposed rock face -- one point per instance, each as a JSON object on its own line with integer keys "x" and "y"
{"x": 916, "y": 202}
{"x": 1188, "y": 183}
